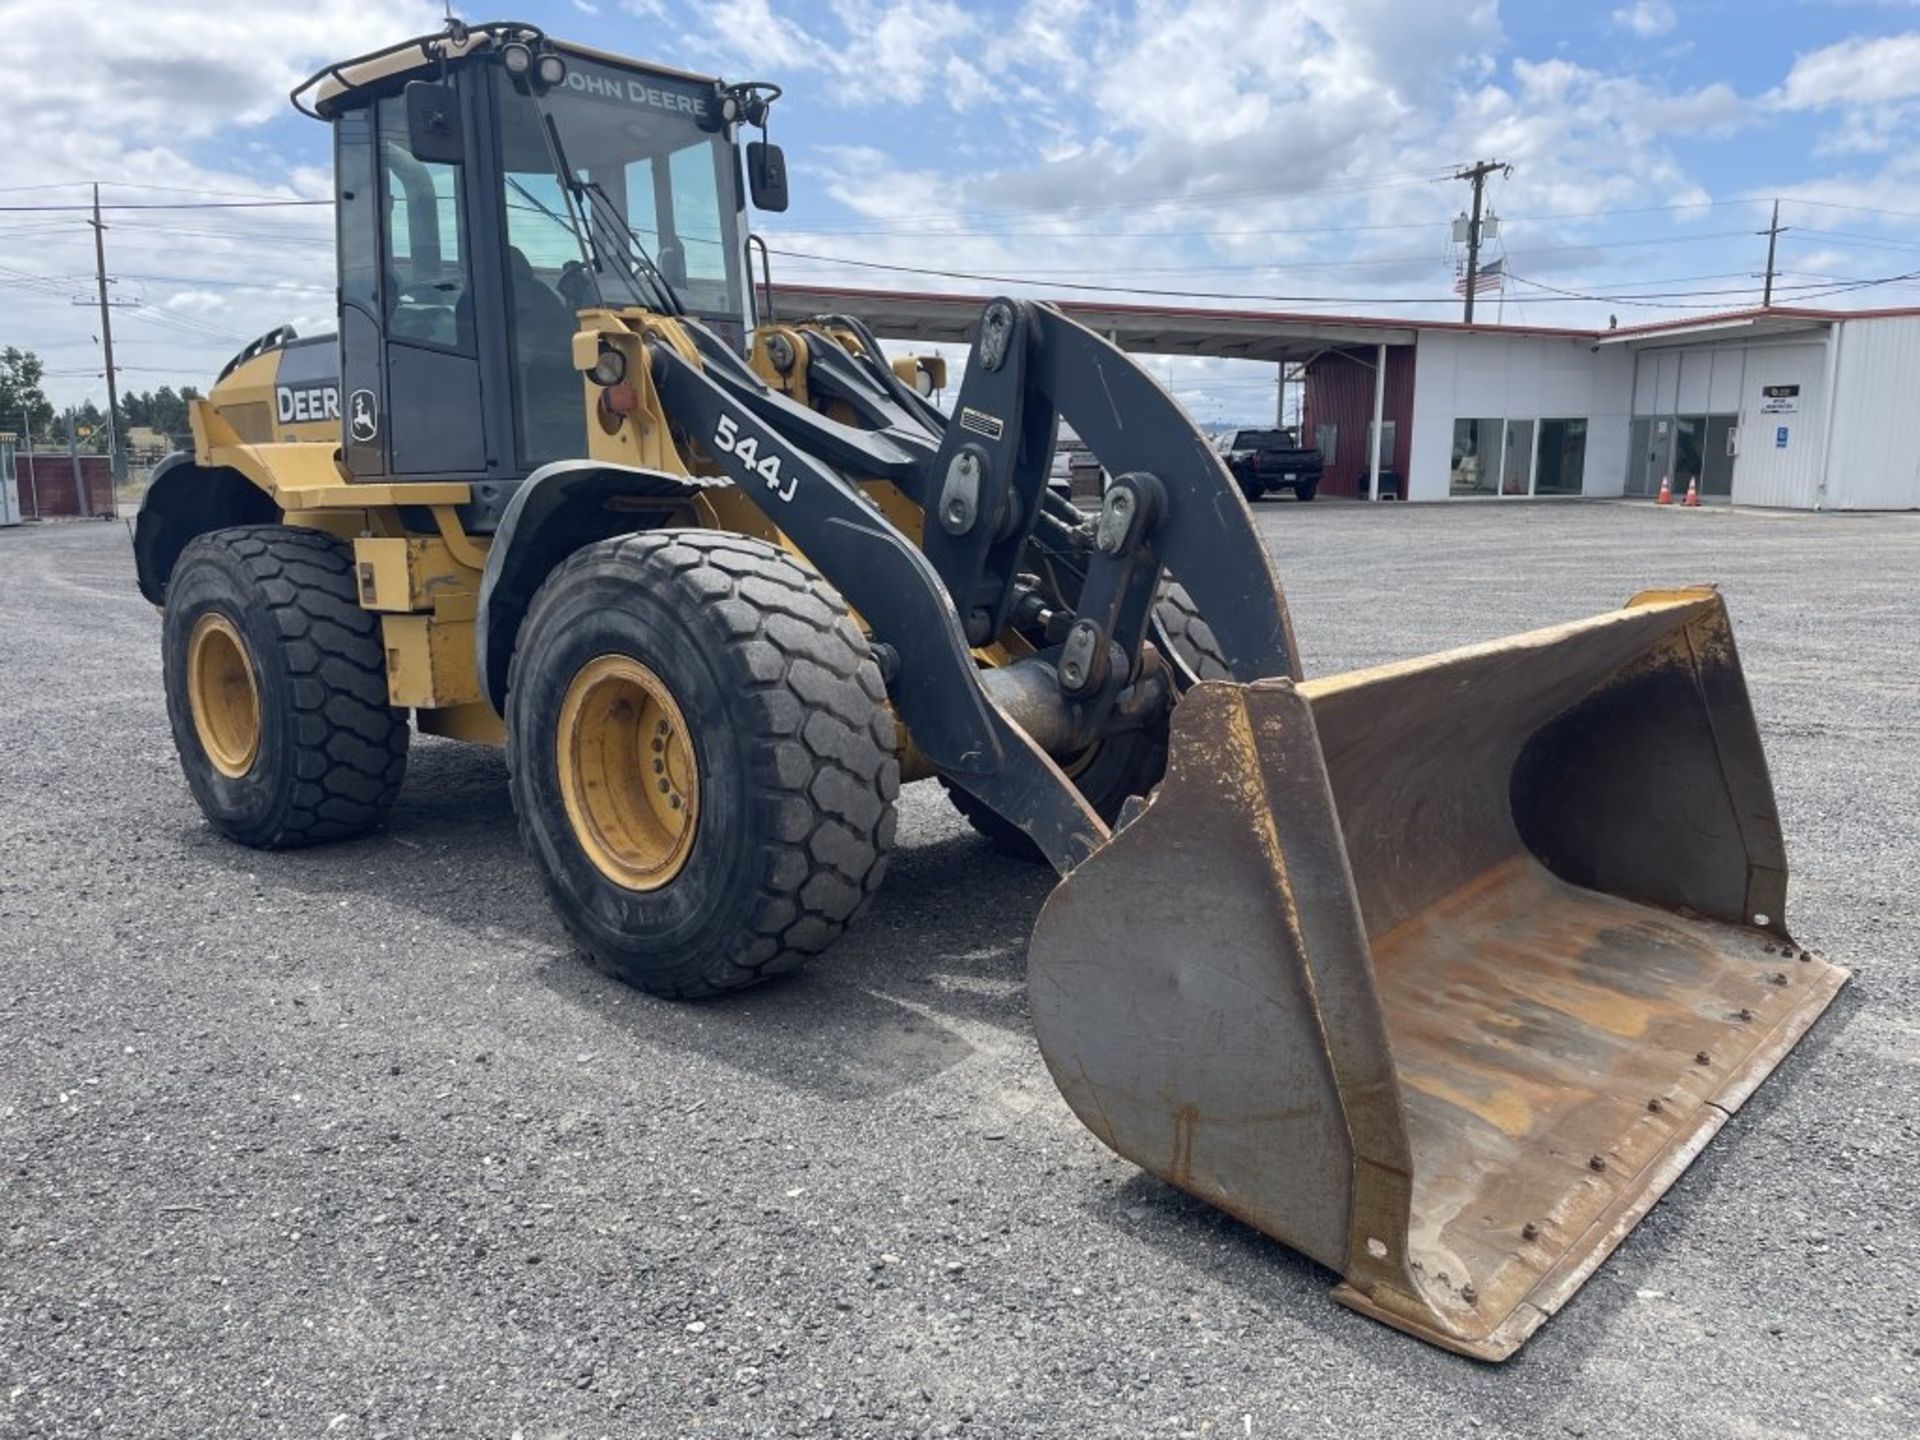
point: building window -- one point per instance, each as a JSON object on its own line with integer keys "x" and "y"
{"x": 1561, "y": 468}
{"x": 1389, "y": 442}
{"x": 1476, "y": 456}
{"x": 1516, "y": 469}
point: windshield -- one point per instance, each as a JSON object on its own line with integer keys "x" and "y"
{"x": 657, "y": 191}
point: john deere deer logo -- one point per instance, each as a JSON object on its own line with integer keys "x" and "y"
{"x": 363, "y": 416}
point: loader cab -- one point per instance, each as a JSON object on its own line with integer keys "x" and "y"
{"x": 484, "y": 199}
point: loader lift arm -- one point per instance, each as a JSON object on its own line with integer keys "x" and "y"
{"x": 982, "y": 484}
{"x": 933, "y": 679}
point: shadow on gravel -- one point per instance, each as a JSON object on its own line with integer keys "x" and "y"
{"x": 1273, "y": 1279}
{"x": 871, "y": 1016}
{"x": 944, "y": 940}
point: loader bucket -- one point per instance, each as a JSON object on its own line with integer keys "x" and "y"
{"x": 1441, "y": 972}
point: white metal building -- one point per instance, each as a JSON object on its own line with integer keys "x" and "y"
{"x": 1787, "y": 407}
{"x": 1799, "y": 409}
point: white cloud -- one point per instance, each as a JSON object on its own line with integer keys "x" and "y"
{"x": 887, "y": 50}
{"x": 1646, "y": 18}
{"x": 1872, "y": 83}
{"x": 169, "y": 93}
{"x": 1852, "y": 73}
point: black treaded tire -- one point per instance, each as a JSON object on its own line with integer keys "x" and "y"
{"x": 1306, "y": 492}
{"x": 1192, "y": 637}
{"x": 792, "y": 738}
{"x": 332, "y": 750}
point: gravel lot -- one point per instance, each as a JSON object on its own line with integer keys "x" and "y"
{"x": 348, "y": 1143}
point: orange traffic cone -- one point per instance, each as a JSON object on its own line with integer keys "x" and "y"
{"x": 1693, "y": 495}
{"x": 1666, "y": 492}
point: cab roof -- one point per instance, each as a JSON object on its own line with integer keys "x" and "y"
{"x": 321, "y": 93}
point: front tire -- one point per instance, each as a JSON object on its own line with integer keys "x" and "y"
{"x": 277, "y": 688}
{"x": 773, "y": 736}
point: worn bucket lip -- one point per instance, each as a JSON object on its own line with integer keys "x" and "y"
{"x": 1639, "y": 1195}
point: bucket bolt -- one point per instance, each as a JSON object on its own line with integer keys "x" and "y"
{"x": 1597, "y": 1164}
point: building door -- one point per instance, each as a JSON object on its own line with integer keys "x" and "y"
{"x": 1649, "y": 455}
{"x": 1716, "y": 467}
{"x": 1689, "y": 452}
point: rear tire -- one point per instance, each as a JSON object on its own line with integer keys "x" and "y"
{"x": 308, "y": 750}
{"x": 1304, "y": 493}
{"x": 791, "y": 752}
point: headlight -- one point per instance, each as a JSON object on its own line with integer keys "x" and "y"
{"x": 611, "y": 368}
{"x": 552, "y": 69}
{"x": 516, "y": 57}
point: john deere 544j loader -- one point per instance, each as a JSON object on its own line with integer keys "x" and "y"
{"x": 1440, "y": 973}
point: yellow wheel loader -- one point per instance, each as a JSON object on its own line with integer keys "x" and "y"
{"x": 1440, "y": 973}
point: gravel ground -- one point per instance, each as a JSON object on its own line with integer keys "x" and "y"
{"x": 348, "y": 1143}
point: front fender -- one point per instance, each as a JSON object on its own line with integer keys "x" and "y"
{"x": 557, "y": 510}
{"x": 184, "y": 500}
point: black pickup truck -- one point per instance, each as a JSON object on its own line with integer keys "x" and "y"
{"x": 1268, "y": 460}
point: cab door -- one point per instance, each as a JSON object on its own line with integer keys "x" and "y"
{"x": 410, "y": 385}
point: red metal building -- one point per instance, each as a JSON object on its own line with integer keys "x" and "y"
{"x": 1337, "y": 414}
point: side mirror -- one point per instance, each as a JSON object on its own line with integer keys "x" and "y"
{"x": 767, "y": 175}
{"x": 433, "y": 123}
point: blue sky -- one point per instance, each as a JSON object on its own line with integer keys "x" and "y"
{"x": 1286, "y": 154}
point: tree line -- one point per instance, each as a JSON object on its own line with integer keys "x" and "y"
{"x": 25, "y": 409}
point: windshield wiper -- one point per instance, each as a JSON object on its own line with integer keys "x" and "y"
{"x": 603, "y": 223}
{"x": 634, "y": 248}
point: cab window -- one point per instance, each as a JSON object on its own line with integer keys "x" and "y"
{"x": 429, "y": 276}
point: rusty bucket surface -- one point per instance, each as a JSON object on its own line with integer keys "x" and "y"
{"x": 1441, "y": 972}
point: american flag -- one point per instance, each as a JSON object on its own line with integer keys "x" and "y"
{"x": 1491, "y": 276}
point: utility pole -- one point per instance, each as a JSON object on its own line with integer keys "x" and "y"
{"x": 81, "y": 507}
{"x": 116, "y": 458}
{"x": 1772, "y": 232}
{"x": 33, "y": 478}
{"x": 1476, "y": 173}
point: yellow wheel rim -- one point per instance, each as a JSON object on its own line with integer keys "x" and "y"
{"x": 223, "y": 695}
{"x": 628, "y": 776}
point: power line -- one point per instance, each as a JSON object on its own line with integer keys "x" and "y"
{"x": 174, "y": 205}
